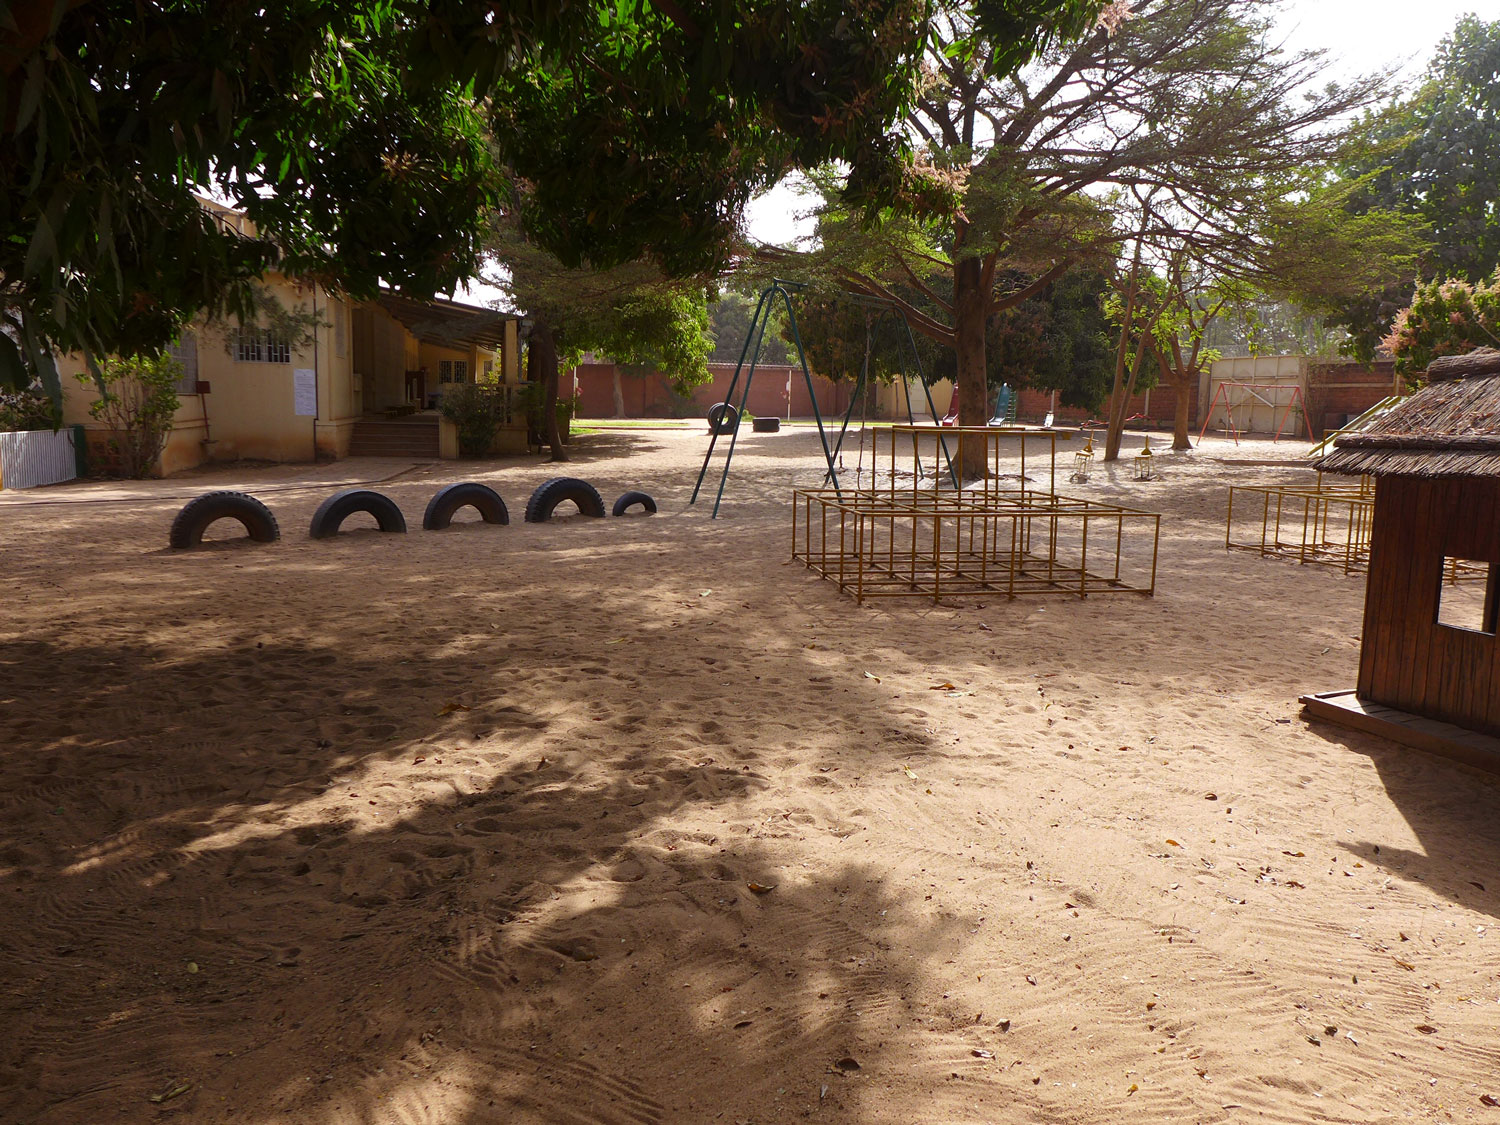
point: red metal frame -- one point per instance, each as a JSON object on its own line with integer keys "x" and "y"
{"x": 1253, "y": 388}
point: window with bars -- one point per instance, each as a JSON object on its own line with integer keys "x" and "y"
{"x": 453, "y": 371}
{"x": 262, "y": 346}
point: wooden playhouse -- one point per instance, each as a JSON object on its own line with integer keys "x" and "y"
{"x": 1429, "y": 668}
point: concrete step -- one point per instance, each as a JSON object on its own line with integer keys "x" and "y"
{"x": 394, "y": 439}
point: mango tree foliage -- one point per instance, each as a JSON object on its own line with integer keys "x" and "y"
{"x": 118, "y": 115}
{"x": 634, "y": 313}
{"x": 1434, "y": 156}
{"x": 1058, "y": 339}
{"x": 361, "y": 137}
{"x": 729, "y": 322}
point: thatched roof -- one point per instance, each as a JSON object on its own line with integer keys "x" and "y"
{"x": 1450, "y": 428}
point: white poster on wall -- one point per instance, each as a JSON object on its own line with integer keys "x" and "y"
{"x": 305, "y": 392}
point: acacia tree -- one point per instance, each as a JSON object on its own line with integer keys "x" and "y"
{"x": 1286, "y": 236}
{"x": 1190, "y": 95}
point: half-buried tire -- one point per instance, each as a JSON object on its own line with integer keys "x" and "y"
{"x": 722, "y": 418}
{"x": 624, "y": 503}
{"x": 332, "y": 512}
{"x": 483, "y": 499}
{"x": 197, "y": 514}
{"x": 548, "y": 496}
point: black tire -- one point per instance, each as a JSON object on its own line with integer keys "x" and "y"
{"x": 630, "y": 498}
{"x": 332, "y": 512}
{"x": 766, "y": 425}
{"x": 197, "y": 514}
{"x": 483, "y": 499}
{"x": 549, "y": 495}
{"x": 723, "y": 418}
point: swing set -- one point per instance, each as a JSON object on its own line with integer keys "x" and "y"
{"x": 876, "y": 309}
{"x": 1252, "y": 398}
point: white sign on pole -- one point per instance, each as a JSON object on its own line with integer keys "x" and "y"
{"x": 305, "y": 392}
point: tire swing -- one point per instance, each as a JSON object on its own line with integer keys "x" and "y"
{"x": 629, "y": 498}
{"x": 483, "y": 499}
{"x": 770, "y": 425}
{"x": 723, "y": 418}
{"x": 332, "y": 512}
{"x": 197, "y": 514}
{"x": 550, "y": 494}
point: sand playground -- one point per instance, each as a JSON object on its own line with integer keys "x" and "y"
{"x": 636, "y": 820}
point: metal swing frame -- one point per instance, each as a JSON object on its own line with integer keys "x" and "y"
{"x": 758, "y": 323}
{"x": 883, "y": 308}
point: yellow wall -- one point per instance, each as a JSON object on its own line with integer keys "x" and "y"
{"x": 891, "y": 399}
{"x": 385, "y": 353}
{"x": 338, "y": 396}
{"x": 511, "y": 369}
{"x": 250, "y": 409}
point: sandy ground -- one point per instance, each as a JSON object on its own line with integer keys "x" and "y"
{"x": 462, "y": 827}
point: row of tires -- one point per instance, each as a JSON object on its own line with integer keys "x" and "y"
{"x": 724, "y": 418}
{"x": 260, "y": 524}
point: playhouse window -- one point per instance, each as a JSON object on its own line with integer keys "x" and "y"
{"x": 1466, "y": 595}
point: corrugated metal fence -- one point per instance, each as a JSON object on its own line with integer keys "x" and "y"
{"x": 32, "y": 457}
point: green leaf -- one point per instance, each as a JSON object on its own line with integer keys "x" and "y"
{"x": 41, "y": 254}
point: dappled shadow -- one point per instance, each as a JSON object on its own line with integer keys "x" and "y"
{"x": 434, "y": 853}
{"x": 462, "y": 827}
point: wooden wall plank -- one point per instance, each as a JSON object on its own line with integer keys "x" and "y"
{"x": 1375, "y": 681}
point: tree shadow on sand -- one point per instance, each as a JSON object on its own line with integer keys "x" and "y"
{"x": 443, "y": 882}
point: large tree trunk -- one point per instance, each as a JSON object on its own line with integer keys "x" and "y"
{"x": 1182, "y": 386}
{"x": 544, "y": 348}
{"x": 619, "y": 394}
{"x": 1119, "y": 403}
{"x": 1180, "y": 377}
{"x": 970, "y": 312}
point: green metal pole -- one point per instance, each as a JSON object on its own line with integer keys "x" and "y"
{"x": 812, "y": 395}
{"x": 926, "y": 390}
{"x": 859, "y": 385}
{"x": 758, "y": 332}
{"x": 729, "y": 397}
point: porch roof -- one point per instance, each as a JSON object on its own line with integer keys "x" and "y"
{"x": 450, "y": 323}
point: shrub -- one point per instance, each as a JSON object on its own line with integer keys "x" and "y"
{"x": 533, "y": 397}
{"x": 27, "y": 410}
{"x": 138, "y": 398}
{"x": 478, "y": 410}
{"x": 1449, "y": 317}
